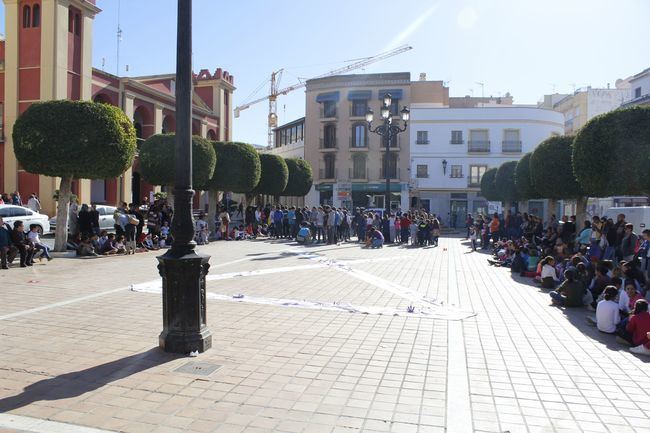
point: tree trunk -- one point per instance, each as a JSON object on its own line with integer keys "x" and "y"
{"x": 552, "y": 208}
{"x": 170, "y": 197}
{"x": 581, "y": 212}
{"x": 62, "y": 208}
{"x": 523, "y": 206}
{"x": 213, "y": 197}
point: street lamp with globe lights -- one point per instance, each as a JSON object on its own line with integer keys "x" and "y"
{"x": 388, "y": 132}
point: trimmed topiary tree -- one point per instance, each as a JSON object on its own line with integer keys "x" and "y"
{"x": 551, "y": 171}
{"x": 238, "y": 169}
{"x": 73, "y": 140}
{"x": 300, "y": 178}
{"x": 611, "y": 153}
{"x": 504, "y": 181}
{"x": 157, "y": 160}
{"x": 523, "y": 182}
{"x": 488, "y": 187}
{"x": 275, "y": 175}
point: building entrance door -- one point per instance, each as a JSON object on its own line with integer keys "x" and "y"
{"x": 458, "y": 212}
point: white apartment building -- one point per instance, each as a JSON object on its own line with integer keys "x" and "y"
{"x": 640, "y": 89}
{"x": 451, "y": 148}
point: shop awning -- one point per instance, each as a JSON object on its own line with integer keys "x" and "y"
{"x": 328, "y": 97}
{"x": 394, "y": 93}
{"x": 324, "y": 187}
{"x": 359, "y": 95}
{"x": 375, "y": 187}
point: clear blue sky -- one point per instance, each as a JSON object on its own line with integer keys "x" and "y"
{"x": 525, "y": 47}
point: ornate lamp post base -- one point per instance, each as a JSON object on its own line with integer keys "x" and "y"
{"x": 184, "y": 316}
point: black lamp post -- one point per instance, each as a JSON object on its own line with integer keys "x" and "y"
{"x": 182, "y": 269}
{"x": 444, "y": 166}
{"x": 387, "y": 131}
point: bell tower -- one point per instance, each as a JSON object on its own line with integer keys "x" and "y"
{"x": 48, "y": 55}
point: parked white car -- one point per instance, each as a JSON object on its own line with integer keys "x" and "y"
{"x": 11, "y": 213}
{"x": 106, "y": 221}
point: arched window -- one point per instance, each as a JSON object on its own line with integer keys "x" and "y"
{"x": 36, "y": 16}
{"x": 359, "y": 135}
{"x": 330, "y": 167}
{"x": 27, "y": 16}
{"x": 329, "y": 133}
{"x": 359, "y": 166}
{"x": 169, "y": 124}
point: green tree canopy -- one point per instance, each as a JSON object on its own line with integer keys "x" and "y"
{"x": 523, "y": 181}
{"x": 275, "y": 175}
{"x": 75, "y": 139}
{"x": 611, "y": 153}
{"x": 504, "y": 181}
{"x": 488, "y": 187}
{"x": 238, "y": 168}
{"x": 300, "y": 177}
{"x": 551, "y": 169}
{"x": 158, "y": 155}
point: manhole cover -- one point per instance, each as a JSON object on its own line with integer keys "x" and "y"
{"x": 199, "y": 368}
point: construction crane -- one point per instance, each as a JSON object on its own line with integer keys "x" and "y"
{"x": 277, "y": 75}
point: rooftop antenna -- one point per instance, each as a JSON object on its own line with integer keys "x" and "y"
{"x": 103, "y": 62}
{"x": 482, "y": 88}
{"x": 119, "y": 37}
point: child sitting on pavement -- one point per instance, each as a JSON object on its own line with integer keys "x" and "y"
{"x": 571, "y": 292}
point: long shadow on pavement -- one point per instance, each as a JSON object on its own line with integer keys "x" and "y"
{"x": 76, "y": 383}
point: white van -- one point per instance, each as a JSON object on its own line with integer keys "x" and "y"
{"x": 638, "y": 215}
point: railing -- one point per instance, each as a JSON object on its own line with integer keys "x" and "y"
{"x": 327, "y": 174}
{"x": 478, "y": 146}
{"x": 358, "y": 112}
{"x": 421, "y": 141}
{"x": 473, "y": 182}
{"x": 456, "y": 141}
{"x": 511, "y": 146}
{"x": 395, "y": 144}
{"x": 355, "y": 145}
{"x": 329, "y": 114}
{"x": 358, "y": 174}
{"x": 394, "y": 173}
{"x": 330, "y": 143}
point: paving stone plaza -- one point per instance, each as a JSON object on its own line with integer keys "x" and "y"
{"x": 310, "y": 339}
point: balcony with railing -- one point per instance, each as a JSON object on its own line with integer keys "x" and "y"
{"x": 456, "y": 141}
{"x": 358, "y": 112}
{"x": 328, "y": 115}
{"x": 358, "y": 144}
{"x": 327, "y": 174}
{"x": 478, "y": 146}
{"x": 328, "y": 145}
{"x": 422, "y": 141}
{"x": 392, "y": 172}
{"x": 395, "y": 144}
{"x": 511, "y": 146}
{"x": 358, "y": 175}
{"x": 473, "y": 182}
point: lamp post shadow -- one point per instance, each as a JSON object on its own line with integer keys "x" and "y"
{"x": 76, "y": 383}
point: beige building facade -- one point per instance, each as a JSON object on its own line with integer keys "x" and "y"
{"x": 348, "y": 160}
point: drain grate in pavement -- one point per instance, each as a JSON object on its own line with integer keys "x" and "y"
{"x": 198, "y": 368}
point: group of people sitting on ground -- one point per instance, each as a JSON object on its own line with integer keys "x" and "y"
{"x": 14, "y": 241}
{"x": 87, "y": 239}
{"x": 604, "y": 267}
